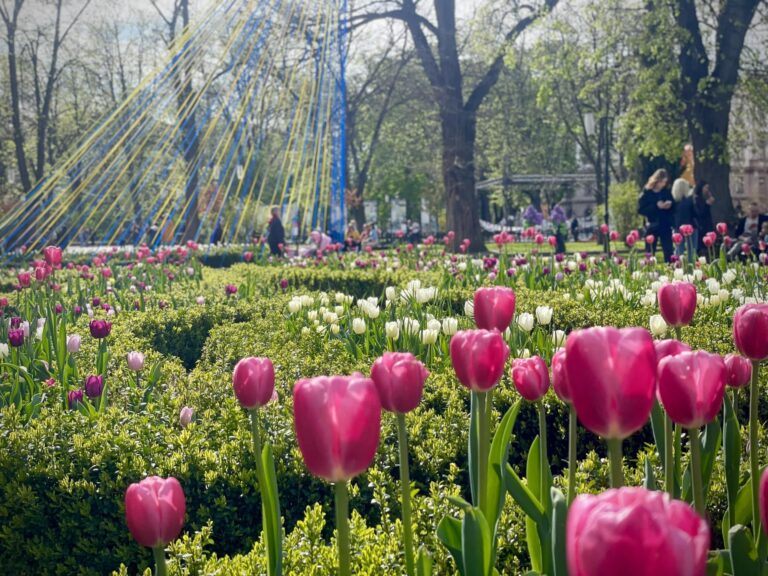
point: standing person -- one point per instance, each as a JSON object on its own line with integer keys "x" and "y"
{"x": 353, "y": 237}
{"x": 575, "y": 228}
{"x": 275, "y": 233}
{"x": 656, "y": 205}
{"x": 703, "y": 200}
{"x": 685, "y": 215}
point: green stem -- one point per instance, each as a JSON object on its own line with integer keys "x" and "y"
{"x": 573, "y": 432}
{"x": 669, "y": 457}
{"x": 696, "y": 480}
{"x": 678, "y": 463}
{"x": 405, "y": 491}
{"x": 679, "y": 333}
{"x": 545, "y": 499}
{"x": 617, "y": 469}
{"x": 161, "y": 569}
{"x": 483, "y": 449}
{"x": 342, "y": 526}
{"x": 256, "y": 437}
{"x": 754, "y": 467}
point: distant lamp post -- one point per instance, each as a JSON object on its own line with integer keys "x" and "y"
{"x": 605, "y": 145}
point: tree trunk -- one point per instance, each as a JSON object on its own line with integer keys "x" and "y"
{"x": 712, "y": 166}
{"x": 18, "y": 133}
{"x": 458, "y": 134}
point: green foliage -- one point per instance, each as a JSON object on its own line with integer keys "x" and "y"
{"x": 622, "y": 203}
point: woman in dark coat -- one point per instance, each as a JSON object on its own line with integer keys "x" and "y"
{"x": 656, "y": 205}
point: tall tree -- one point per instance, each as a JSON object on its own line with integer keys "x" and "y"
{"x": 436, "y": 42}
{"x": 708, "y": 80}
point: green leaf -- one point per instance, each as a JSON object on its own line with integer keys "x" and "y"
{"x": 522, "y": 495}
{"x": 649, "y": 480}
{"x": 710, "y": 444}
{"x": 477, "y": 543}
{"x": 423, "y": 563}
{"x": 731, "y": 452}
{"x": 496, "y": 460}
{"x": 657, "y": 425}
{"x": 743, "y": 510}
{"x": 270, "y": 501}
{"x": 743, "y": 552}
{"x": 559, "y": 518}
{"x": 449, "y": 533}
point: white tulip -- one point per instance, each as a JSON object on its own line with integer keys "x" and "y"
{"x": 525, "y": 353}
{"x": 558, "y": 338}
{"x": 714, "y": 300}
{"x": 424, "y": 295}
{"x": 679, "y": 273}
{"x": 358, "y": 325}
{"x": 525, "y": 321}
{"x": 413, "y": 285}
{"x": 411, "y": 326}
{"x": 392, "y": 330}
{"x": 4, "y": 351}
{"x": 305, "y": 331}
{"x": 450, "y": 326}
{"x": 434, "y": 324}
{"x": 339, "y": 310}
{"x": 462, "y": 266}
{"x": 724, "y": 295}
{"x": 544, "y": 315}
{"x": 335, "y": 329}
{"x": 658, "y": 325}
{"x": 372, "y": 312}
{"x": 429, "y": 336}
{"x": 469, "y": 308}
{"x": 294, "y": 306}
{"x": 312, "y": 315}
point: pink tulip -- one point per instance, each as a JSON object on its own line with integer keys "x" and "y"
{"x": 478, "y": 357}
{"x": 560, "y": 377}
{"x": 154, "y": 510}
{"x": 666, "y": 348}
{"x": 612, "y": 377}
{"x": 677, "y": 302}
{"x": 52, "y": 255}
{"x": 650, "y": 239}
{"x": 750, "y": 331}
{"x": 691, "y": 387}
{"x": 739, "y": 370}
{"x": 686, "y": 230}
{"x": 604, "y": 228}
{"x": 338, "y": 420}
{"x": 494, "y": 308}
{"x": 399, "y": 378}
{"x": 677, "y": 238}
{"x": 531, "y": 377}
{"x": 25, "y": 278}
{"x": 253, "y": 380}
{"x": 722, "y": 228}
{"x": 635, "y": 532}
{"x": 613, "y": 236}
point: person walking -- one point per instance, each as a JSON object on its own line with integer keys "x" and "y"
{"x": 656, "y": 204}
{"x": 275, "y": 233}
{"x": 685, "y": 216}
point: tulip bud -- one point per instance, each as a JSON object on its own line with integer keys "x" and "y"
{"x": 560, "y": 377}
{"x": 543, "y": 315}
{"x": 691, "y": 387}
{"x": 358, "y": 326}
{"x": 478, "y": 358}
{"x": 738, "y": 370}
{"x": 185, "y": 416}
{"x": 253, "y": 380}
{"x": 658, "y": 325}
{"x": 100, "y": 328}
{"x": 660, "y": 536}
{"x": 450, "y": 326}
{"x": 16, "y": 337}
{"x": 74, "y": 397}
{"x": 750, "y": 331}
{"x": 612, "y": 378}
{"x": 399, "y": 378}
{"x": 73, "y": 344}
{"x": 4, "y": 351}
{"x": 94, "y": 386}
{"x": 392, "y": 330}
{"x": 494, "y": 308}
{"x": 677, "y": 302}
{"x": 531, "y": 377}
{"x": 666, "y": 348}
{"x": 154, "y": 510}
{"x": 337, "y": 422}
{"x": 135, "y": 361}
{"x": 525, "y": 321}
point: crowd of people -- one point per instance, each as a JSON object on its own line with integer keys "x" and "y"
{"x": 686, "y": 208}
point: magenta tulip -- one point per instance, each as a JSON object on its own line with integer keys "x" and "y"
{"x": 338, "y": 420}
{"x": 531, "y": 377}
{"x": 635, "y": 532}
{"x": 494, "y": 308}
{"x": 677, "y": 302}
{"x": 670, "y": 347}
{"x": 25, "y": 278}
{"x": 399, "y": 379}
{"x": 691, "y": 387}
{"x": 253, "y": 380}
{"x": 750, "y": 331}
{"x": 154, "y": 510}
{"x": 16, "y": 337}
{"x": 478, "y": 357}
{"x": 94, "y": 386}
{"x": 739, "y": 370}
{"x": 612, "y": 377}
{"x": 560, "y": 377}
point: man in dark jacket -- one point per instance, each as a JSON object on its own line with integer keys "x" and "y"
{"x": 276, "y": 233}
